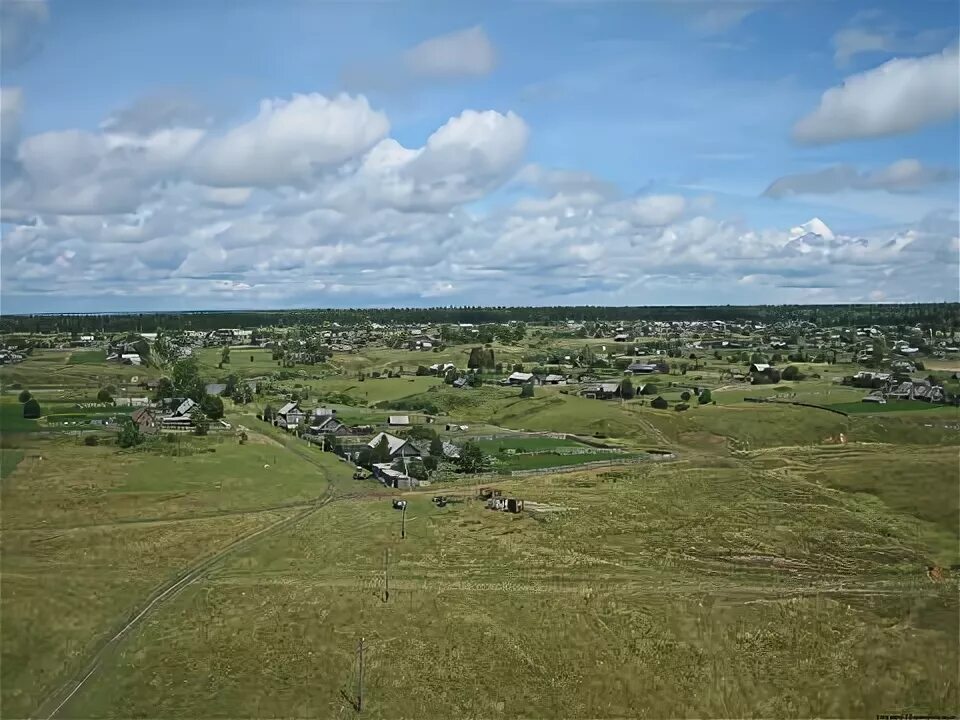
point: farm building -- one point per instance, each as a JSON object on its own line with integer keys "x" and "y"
{"x": 554, "y": 380}
{"x": 601, "y": 391}
{"x": 398, "y": 447}
{"x": 399, "y": 420}
{"x": 517, "y": 378}
{"x": 146, "y": 420}
{"x": 289, "y": 416}
{"x": 641, "y": 368}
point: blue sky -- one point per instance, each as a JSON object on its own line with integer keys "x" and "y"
{"x": 447, "y": 153}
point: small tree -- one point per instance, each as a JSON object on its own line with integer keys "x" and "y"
{"x": 268, "y": 414}
{"x": 129, "y": 435}
{"x": 225, "y": 355}
{"x": 212, "y": 407}
{"x": 365, "y": 457}
{"x": 104, "y": 396}
{"x": 705, "y": 397}
{"x": 526, "y": 391}
{"x": 24, "y": 396}
{"x": 91, "y": 441}
{"x": 659, "y": 403}
{"x": 201, "y": 423}
{"x": 31, "y": 409}
{"x": 685, "y": 396}
{"x": 626, "y": 389}
{"x": 431, "y": 463}
{"x": 649, "y": 389}
{"x": 417, "y": 470}
{"x": 381, "y": 451}
{"x": 473, "y": 459}
{"x": 790, "y": 372}
{"x": 436, "y": 447}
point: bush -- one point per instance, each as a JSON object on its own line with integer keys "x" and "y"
{"x": 649, "y": 389}
{"x": 791, "y": 372}
{"x": 91, "y": 441}
{"x": 129, "y": 435}
{"x": 705, "y": 397}
{"x": 31, "y": 409}
{"x": 659, "y": 403}
{"x": 24, "y": 396}
{"x": 680, "y": 407}
{"x": 685, "y": 396}
{"x": 104, "y": 396}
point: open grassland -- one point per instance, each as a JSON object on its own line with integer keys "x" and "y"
{"x": 54, "y": 370}
{"x": 113, "y": 527}
{"x": 82, "y": 357}
{"x": 665, "y": 590}
{"x": 374, "y": 390}
{"x": 248, "y": 362}
{"x": 776, "y": 569}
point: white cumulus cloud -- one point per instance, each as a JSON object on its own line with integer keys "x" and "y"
{"x": 897, "y": 97}
{"x": 290, "y": 141}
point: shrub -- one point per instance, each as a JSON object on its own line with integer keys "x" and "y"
{"x": 129, "y": 435}
{"x": 24, "y": 396}
{"x": 791, "y": 372}
{"x": 659, "y": 403}
{"x": 649, "y": 389}
{"x": 680, "y": 407}
{"x": 705, "y": 397}
{"x": 91, "y": 441}
{"x": 104, "y": 396}
{"x": 685, "y": 396}
{"x": 31, "y": 409}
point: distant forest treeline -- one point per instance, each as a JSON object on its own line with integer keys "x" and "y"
{"x": 945, "y": 316}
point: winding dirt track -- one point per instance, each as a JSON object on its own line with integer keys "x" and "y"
{"x": 54, "y": 702}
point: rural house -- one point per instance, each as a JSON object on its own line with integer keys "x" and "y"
{"x": 146, "y": 420}
{"x": 601, "y": 391}
{"x": 641, "y": 368}
{"x": 289, "y": 416}
{"x": 517, "y": 378}
{"x": 398, "y": 447}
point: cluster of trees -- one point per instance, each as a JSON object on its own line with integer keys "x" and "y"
{"x": 939, "y": 316}
{"x": 185, "y": 382}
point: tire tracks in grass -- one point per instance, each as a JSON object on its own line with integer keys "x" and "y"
{"x": 56, "y": 700}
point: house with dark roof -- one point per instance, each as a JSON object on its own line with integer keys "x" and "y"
{"x": 289, "y": 416}
{"x": 601, "y": 390}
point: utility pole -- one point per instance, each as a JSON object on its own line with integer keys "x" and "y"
{"x": 386, "y": 575}
{"x": 403, "y": 522}
{"x": 360, "y": 680}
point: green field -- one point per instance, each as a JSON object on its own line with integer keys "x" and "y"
{"x": 863, "y": 408}
{"x": 9, "y": 459}
{"x": 777, "y": 567}
{"x": 822, "y": 608}
{"x": 12, "y": 420}
{"x": 82, "y": 357}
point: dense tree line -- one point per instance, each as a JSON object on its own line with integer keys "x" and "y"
{"x": 944, "y": 316}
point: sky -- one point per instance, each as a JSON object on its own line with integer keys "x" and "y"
{"x": 239, "y": 154}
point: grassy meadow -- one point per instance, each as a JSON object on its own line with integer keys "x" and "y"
{"x": 773, "y": 569}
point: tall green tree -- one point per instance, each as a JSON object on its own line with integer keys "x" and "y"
{"x": 473, "y": 459}
{"x": 186, "y": 379}
{"x": 381, "y": 451}
{"x": 129, "y": 434}
{"x": 212, "y": 407}
{"x": 626, "y": 389}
